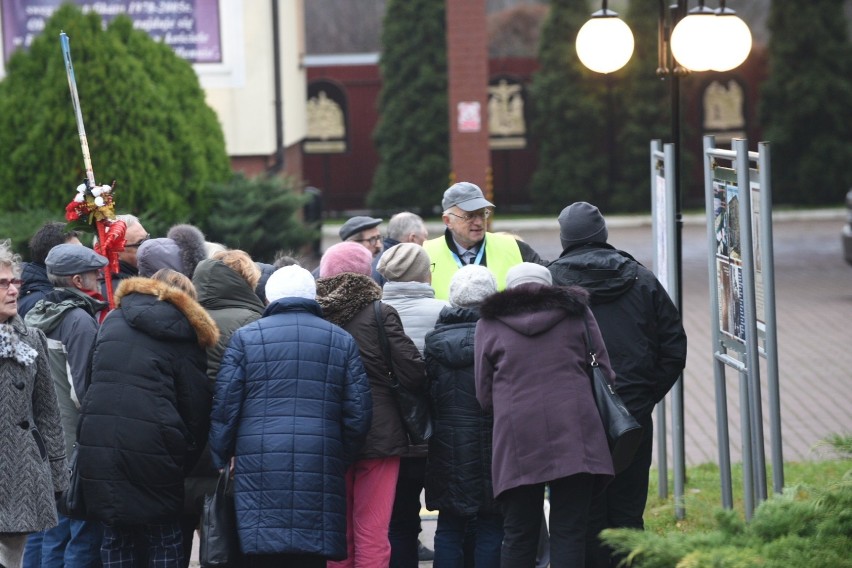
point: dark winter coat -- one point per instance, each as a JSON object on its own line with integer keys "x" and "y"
{"x": 458, "y": 470}
{"x": 347, "y": 300}
{"x": 232, "y": 304}
{"x": 36, "y": 285}
{"x": 125, "y": 271}
{"x": 293, "y": 405}
{"x": 531, "y": 369}
{"x": 638, "y": 321}
{"x": 32, "y": 452}
{"x": 147, "y": 409}
{"x": 229, "y": 300}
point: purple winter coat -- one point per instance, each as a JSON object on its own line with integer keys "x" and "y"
{"x": 531, "y": 371}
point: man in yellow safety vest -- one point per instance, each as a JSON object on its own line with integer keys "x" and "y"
{"x": 466, "y": 241}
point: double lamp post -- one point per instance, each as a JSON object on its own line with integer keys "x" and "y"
{"x": 700, "y": 39}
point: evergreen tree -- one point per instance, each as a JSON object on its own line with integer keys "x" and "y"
{"x": 412, "y": 136}
{"x": 569, "y": 116}
{"x": 258, "y": 215}
{"x": 806, "y": 102}
{"x": 147, "y": 122}
{"x": 645, "y": 114}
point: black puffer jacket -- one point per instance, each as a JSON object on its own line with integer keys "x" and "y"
{"x": 458, "y": 470}
{"x": 146, "y": 414}
{"x": 640, "y": 325}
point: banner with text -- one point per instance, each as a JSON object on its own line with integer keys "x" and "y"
{"x": 190, "y": 27}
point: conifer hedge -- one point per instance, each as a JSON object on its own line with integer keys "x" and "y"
{"x": 147, "y": 123}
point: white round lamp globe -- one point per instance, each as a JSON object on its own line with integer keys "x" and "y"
{"x": 604, "y": 44}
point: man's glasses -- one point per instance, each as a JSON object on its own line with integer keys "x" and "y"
{"x": 468, "y": 217}
{"x": 6, "y": 282}
{"x": 372, "y": 240}
{"x": 137, "y": 244}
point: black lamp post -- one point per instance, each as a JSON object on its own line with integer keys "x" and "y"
{"x": 700, "y": 40}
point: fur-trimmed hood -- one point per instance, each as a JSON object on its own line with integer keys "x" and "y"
{"x": 154, "y": 307}
{"x": 343, "y": 296}
{"x": 531, "y": 308}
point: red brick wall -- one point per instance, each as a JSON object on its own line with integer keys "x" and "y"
{"x": 467, "y": 62}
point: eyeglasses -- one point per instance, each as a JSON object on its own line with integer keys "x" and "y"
{"x": 137, "y": 244}
{"x": 372, "y": 240}
{"x": 468, "y": 217}
{"x": 6, "y": 282}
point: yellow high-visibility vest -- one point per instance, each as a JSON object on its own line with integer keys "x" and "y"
{"x": 501, "y": 254}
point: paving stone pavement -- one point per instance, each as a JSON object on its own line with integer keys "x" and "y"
{"x": 814, "y": 311}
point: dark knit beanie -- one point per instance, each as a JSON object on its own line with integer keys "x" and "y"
{"x": 581, "y": 223}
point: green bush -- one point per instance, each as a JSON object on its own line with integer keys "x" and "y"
{"x": 19, "y": 226}
{"x": 810, "y": 524}
{"x": 259, "y": 215}
{"x": 147, "y": 122}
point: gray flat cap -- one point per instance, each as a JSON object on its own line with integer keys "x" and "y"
{"x": 466, "y": 196}
{"x": 67, "y": 259}
{"x": 356, "y": 225}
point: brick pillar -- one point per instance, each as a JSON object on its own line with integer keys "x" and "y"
{"x": 467, "y": 63}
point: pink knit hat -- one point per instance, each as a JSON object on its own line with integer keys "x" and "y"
{"x": 348, "y": 256}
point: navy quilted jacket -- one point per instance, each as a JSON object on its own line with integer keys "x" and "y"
{"x": 293, "y": 405}
{"x": 458, "y": 471}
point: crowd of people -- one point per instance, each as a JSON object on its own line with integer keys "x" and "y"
{"x": 211, "y": 362}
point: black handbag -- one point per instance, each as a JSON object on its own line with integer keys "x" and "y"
{"x": 71, "y": 503}
{"x": 413, "y": 406}
{"x": 623, "y": 432}
{"x": 220, "y": 546}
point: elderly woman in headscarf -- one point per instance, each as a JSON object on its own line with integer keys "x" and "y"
{"x": 32, "y": 447}
{"x": 347, "y": 294}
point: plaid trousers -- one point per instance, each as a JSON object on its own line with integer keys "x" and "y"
{"x": 157, "y": 545}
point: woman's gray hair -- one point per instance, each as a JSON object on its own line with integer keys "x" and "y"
{"x": 9, "y": 258}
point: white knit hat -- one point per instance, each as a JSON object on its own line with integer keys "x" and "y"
{"x": 470, "y": 285}
{"x": 291, "y": 282}
{"x": 526, "y": 272}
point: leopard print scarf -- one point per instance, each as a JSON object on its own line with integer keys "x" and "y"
{"x": 11, "y": 346}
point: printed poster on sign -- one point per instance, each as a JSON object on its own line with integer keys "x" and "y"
{"x": 726, "y": 225}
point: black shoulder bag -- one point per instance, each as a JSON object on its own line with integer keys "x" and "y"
{"x": 220, "y": 545}
{"x": 623, "y": 432}
{"x": 413, "y": 406}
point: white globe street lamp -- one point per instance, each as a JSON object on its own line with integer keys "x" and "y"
{"x": 734, "y": 43}
{"x": 693, "y": 38}
{"x": 604, "y": 43}
{"x": 703, "y": 40}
